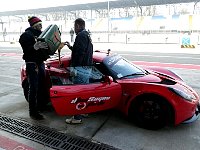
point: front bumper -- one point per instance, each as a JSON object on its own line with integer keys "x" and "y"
{"x": 194, "y": 117}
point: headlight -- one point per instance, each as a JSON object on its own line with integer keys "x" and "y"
{"x": 183, "y": 94}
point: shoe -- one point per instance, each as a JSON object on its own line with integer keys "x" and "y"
{"x": 72, "y": 120}
{"x": 36, "y": 116}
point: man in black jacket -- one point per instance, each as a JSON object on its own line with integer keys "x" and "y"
{"x": 82, "y": 55}
{"x": 82, "y": 50}
{"x": 35, "y": 69}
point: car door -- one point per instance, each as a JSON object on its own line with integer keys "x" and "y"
{"x": 80, "y": 95}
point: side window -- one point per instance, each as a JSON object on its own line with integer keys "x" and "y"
{"x": 55, "y": 80}
{"x": 96, "y": 75}
{"x": 101, "y": 67}
{"x": 85, "y": 75}
{"x": 76, "y": 75}
{"x": 59, "y": 76}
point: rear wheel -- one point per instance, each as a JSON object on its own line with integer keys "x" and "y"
{"x": 150, "y": 112}
{"x": 45, "y": 98}
{"x": 25, "y": 87}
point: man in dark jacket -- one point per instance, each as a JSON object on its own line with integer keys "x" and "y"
{"x": 35, "y": 69}
{"x": 82, "y": 55}
{"x": 82, "y": 50}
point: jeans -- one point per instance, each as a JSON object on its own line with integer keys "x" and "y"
{"x": 82, "y": 75}
{"x": 78, "y": 117}
{"x": 36, "y": 79}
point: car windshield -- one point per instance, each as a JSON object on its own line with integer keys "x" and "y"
{"x": 122, "y": 68}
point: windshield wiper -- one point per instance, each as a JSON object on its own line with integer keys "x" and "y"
{"x": 134, "y": 74}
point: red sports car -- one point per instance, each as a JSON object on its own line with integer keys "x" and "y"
{"x": 152, "y": 97}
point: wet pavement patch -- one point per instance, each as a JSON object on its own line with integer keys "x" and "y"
{"x": 48, "y": 136}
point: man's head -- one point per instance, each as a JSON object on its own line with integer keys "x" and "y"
{"x": 79, "y": 25}
{"x": 35, "y": 22}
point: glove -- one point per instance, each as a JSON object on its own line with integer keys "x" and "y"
{"x": 68, "y": 44}
{"x": 61, "y": 46}
{"x": 40, "y": 45}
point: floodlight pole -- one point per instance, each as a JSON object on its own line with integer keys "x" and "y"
{"x": 108, "y": 19}
{"x": 108, "y": 15}
{"x": 2, "y": 23}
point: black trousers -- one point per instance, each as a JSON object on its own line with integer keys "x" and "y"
{"x": 37, "y": 91}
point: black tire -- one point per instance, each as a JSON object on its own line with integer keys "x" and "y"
{"x": 25, "y": 87}
{"x": 150, "y": 112}
{"x": 45, "y": 94}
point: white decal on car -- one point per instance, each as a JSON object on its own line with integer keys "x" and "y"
{"x": 91, "y": 101}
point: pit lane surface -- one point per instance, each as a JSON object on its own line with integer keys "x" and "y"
{"x": 108, "y": 127}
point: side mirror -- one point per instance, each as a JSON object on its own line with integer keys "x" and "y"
{"x": 108, "y": 79}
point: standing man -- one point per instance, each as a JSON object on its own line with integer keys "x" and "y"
{"x": 82, "y": 55}
{"x": 35, "y": 68}
{"x": 71, "y": 32}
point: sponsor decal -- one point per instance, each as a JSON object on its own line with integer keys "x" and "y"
{"x": 113, "y": 59}
{"x": 91, "y": 101}
{"x": 81, "y": 106}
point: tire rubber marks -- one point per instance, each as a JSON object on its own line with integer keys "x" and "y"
{"x": 10, "y": 54}
{"x": 170, "y": 65}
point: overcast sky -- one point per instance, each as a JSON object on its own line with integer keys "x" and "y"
{"x": 11, "y": 5}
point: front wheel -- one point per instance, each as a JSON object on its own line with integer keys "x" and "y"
{"x": 150, "y": 112}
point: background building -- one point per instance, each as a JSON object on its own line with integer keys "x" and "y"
{"x": 110, "y": 20}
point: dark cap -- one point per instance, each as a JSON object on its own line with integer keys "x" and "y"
{"x": 33, "y": 21}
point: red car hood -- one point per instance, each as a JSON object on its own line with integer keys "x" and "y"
{"x": 150, "y": 78}
{"x": 155, "y": 77}
{"x": 163, "y": 72}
